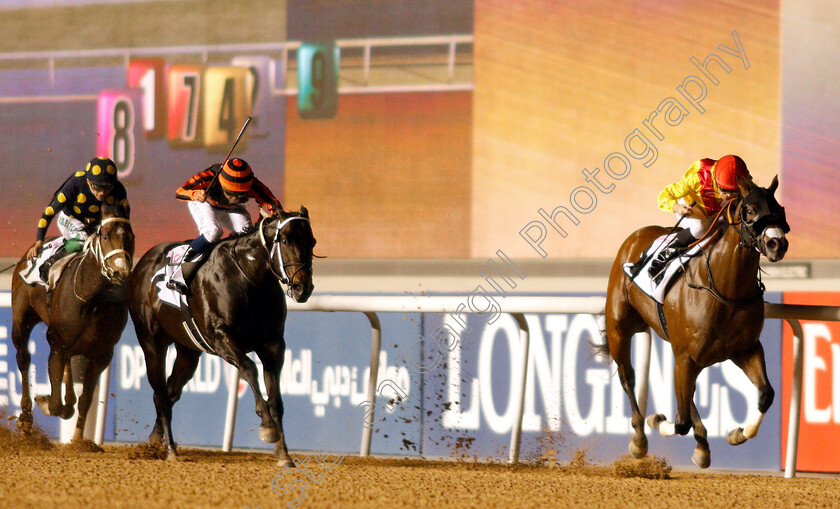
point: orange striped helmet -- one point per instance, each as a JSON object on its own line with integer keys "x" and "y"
{"x": 236, "y": 176}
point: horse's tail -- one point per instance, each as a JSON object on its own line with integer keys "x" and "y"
{"x": 603, "y": 348}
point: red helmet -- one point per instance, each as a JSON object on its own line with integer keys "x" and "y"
{"x": 236, "y": 176}
{"x": 728, "y": 170}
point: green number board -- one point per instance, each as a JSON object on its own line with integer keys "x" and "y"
{"x": 318, "y": 80}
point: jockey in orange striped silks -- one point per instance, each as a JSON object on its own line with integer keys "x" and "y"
{"x": 219, "y": 202}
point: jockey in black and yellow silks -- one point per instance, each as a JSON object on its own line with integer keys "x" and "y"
{"x": 77, "y": 205}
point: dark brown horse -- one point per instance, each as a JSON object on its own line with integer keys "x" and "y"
{"x": 238, "y": 306}
{"x": 714, "y": 312}
{"x": 85, "y": 315}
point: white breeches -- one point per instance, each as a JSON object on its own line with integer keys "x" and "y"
{"x": 696, "y": 221}
{"x": 210, "y": 220}
{"x": 70, "y": 227}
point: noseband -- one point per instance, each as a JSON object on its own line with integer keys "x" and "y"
{"x": 96, "y": 247}
{"x": 275, "y": 251}
{"x": 751, "y": 232}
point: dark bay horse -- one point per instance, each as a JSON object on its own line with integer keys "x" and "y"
{"x": 239, "y": 307}
{"x": 85, "y": 315}
{"x": 714, "y": 312}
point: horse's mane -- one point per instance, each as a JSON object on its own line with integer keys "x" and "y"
{"x": 114, "y": 210}
{"x": 248, "y": 230}
{"x": 251, "y": 228}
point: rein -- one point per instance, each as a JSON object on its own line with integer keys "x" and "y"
{"x": 273, "y": 251}
{"x": 712, "y": 288}
{"x": 95, "y": 248}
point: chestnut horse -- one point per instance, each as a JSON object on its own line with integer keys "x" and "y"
{"x": 714, "y": 312}
{"x": 238, "y": 306}
{"x": 85, "y": 315}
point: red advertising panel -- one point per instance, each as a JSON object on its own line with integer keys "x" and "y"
{"x": 819, "y": 429}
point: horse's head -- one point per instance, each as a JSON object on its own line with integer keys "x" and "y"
{"x": 763, "y": 221}
{"x": 113, "y": 244}
{"x": 290, "y": 251}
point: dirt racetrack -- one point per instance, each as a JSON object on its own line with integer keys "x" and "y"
{"x": 35, "y": 473}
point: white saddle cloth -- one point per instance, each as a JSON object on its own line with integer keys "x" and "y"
{"x": 170, "y": 270}
{"x": 643, "y": 279}
{"x": 31, "y": 273}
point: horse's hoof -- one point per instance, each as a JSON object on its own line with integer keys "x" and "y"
{"x": 284, "y": 463}
{"x": 655, "y": 420}
{"x": 172, "y": 456}
{"x": 269, "y": 434}
{"x": 155, "y": 438}
{"x": 736, "y": 437}
{"x": 67, "y": 412}
{"x": 25, "y": 417}
{"x": 637, "y": 451}
{"x": 701, "y": 458}
{"x": 44, "y": 403}
{"x": 24, "y": 427}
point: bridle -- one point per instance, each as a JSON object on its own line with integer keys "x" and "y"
{"x": 275, "y": 252}
{"x": 752, "y": 233}
{"x": 93, "y": 244}
{"x": 748, "y": 239}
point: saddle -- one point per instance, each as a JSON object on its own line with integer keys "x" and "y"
{"x": 31, "y": 272}
{"x": 657, "y": 289}
{"x": 172, "y": 270}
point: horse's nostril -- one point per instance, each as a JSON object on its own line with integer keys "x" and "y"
{"x": 772, "y": 244}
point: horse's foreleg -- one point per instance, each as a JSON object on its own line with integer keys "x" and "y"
{"x": 21, "y": 329}
{"x": 702, "y": 457}
{"x": 69, "y": 392}
{"x": 248, "y": 371}
{"x": 752, "y": 364}
{"x": 272, "y": 359}
{"x": 685, "y": 378}
{"x": 57, "y": 361}
{"x": 94, "y": 368}
{"x": 186, "y": 362}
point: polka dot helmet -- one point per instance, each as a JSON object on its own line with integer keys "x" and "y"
{"x": 101, "y": 171}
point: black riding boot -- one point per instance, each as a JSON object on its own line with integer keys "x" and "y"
{"x": 44, "y": 271}
{"x": 675, "y": 248}
{"x": 188, "y": 265}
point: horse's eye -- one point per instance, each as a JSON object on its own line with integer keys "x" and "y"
{"x": 284, "y": 241}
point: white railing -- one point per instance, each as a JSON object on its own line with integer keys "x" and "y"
{"x": 517, "y": 307}
{"x": 447, "y": 43}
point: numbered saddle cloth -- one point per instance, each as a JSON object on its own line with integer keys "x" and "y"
{"x": 31, "y": 273}
{"x": 641, "y": 277}
{"x": 170, "y": 270}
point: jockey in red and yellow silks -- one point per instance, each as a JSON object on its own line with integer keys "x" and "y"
{"x": 705, "y": 186}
